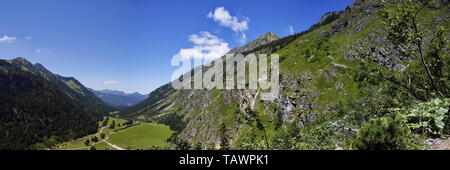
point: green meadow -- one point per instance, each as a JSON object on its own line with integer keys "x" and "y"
{"x": 144, "y": 136}
{"x": 138, "y": 136}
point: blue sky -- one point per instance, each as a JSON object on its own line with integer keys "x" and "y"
{"x": 128, "y": 44}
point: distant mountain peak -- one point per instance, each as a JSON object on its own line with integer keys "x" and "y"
{"x": 270, "y": 36}
{"x": 19, "y": 61}
{"x": 261, "y": 40}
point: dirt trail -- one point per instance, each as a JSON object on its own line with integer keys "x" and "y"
{"x": 114, "y": 146}
{"x": 438, "y": 144}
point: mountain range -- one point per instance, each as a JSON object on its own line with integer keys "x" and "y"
{"x": 118, "y": 99}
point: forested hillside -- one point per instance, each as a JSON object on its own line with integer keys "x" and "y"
{"x": 68, "y": 85}
{"x": 35, "y": 114}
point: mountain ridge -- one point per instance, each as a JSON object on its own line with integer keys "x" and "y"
{"x": 69, "y": 85}
{"x": 261, "y": 40}
{"x": 118, "y": 99}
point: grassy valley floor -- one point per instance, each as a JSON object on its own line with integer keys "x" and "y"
{"x": 144, "y": 136}
{"x": 132, "y": 137}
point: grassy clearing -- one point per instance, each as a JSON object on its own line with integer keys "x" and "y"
{"x": 111, "y": 119}
{"x": 143, "y": 136}
{"x": 118, "y": 124}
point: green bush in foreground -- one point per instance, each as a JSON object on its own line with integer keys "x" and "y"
{"x": 428, "y": 118}
{"x": 385, "y": 133}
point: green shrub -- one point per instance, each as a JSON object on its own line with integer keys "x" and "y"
{"x": 428, "y": 118}
{"x": 384, "y": 133}
{"x": 323, "y": 136}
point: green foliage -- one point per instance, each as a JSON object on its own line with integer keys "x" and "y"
{"x": 179, "y": 143}
{"x": 253, "y": 120}
{"x": 173, "y": 120}
{"x": 113, "y": 125}
{"x": 439, "y": 60}
{"x": 425, "y": 77}
{"x": 320, "y": 136}
{"x": 87, "y": 142}
{"x": 105, "y": 121}
{"x": 254, "y": 135}
{"x": 407, "y": 36}
{"x": 379, "y": 92}
{"x": 94, "y": 139}
{"x": 224, "y": 143}
{"x": 384, "y": 133}
{"x": 428, "y": 118}
{"x": 251, "y": 141}
{"x": 400, "y": 22}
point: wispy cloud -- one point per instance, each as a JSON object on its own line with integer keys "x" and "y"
{"x": 206, "y": 46}
{"x": 224, "y": 18}
{"x": 42, "y": 51}
{"x": 7, "y": 39}
{"x": 111, "y": 82}
{"x": 204, "y": 38}
{"x": 29, "y": 38}
{"x": 290, "y": 29}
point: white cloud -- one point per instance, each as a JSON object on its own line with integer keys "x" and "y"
{"x": 111, "y": 82}
{"x": 206, "y": 46}
{"x": 224, "y": 18}
{"x": 38, "y": 51}
{"x": 205, "y": 38}
{"x": 29, "y": 38}
{"x": 290, "y": 29}
{"x": 7, "y": 39}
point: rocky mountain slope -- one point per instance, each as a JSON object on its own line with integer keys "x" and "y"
{"x": 318, "y": 96}
{"x": 262, "y": 40}
{"x": 119, "y": 99}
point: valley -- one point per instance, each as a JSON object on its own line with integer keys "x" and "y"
{"x": 135, "y": 136}
{"x": 372, "y": 76}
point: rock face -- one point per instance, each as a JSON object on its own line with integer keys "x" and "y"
{"x": 311, "y": 88}
{"x": 263, "y": 39}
